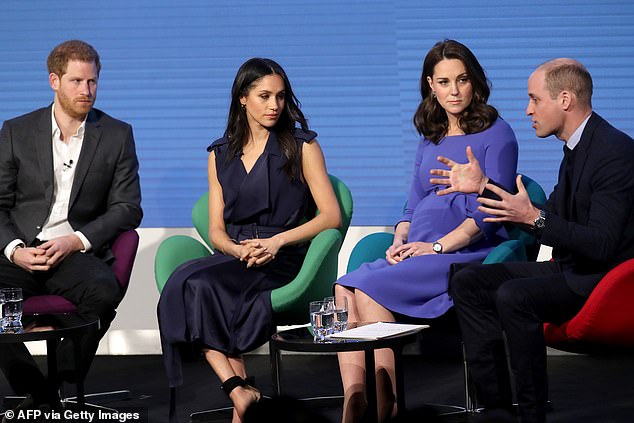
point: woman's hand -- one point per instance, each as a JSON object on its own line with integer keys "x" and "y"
{"x": 391, "y": 255}
{"x": 400, "y": 238}
{"x": 260, "y": 251}
{"x": 412, "y": 249}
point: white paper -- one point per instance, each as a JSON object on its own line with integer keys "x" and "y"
{"x": 377, "y": 331}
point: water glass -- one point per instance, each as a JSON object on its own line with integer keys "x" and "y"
{"x": 340, "y": 307}
{"x": 11, "y": 310}
{"x": 321, "y": 319}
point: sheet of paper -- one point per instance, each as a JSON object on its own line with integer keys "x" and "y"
{"x": 377, "y": 331}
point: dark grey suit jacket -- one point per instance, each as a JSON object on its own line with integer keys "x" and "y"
{"x": 590, "y": 225}
{"x": 105, "y": 197}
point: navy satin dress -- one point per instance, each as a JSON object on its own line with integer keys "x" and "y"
{"x": 217, "y": 302}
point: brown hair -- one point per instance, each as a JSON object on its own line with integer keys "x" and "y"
{"x": 568, "y": 75}
{"x": 58, "y": 59}
{"x": 430, "y": 118}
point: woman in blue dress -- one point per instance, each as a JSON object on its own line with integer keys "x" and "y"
{"x": 435, "y": 230}
{"x": 265, "y": 178}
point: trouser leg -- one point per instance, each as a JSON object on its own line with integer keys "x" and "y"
{"x": 524, "y": 305}
{"x": 473, "y": 297}
{"x": 90, "y": 284}
{"x": 474, "y": 291}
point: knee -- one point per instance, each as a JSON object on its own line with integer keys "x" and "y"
{"x": 462, "y": 282}
{"x": 105, "y": 292}
{"x": 341, "y": 291}
{"x": 509, "y": 297}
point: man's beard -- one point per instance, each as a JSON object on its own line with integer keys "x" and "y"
{"x": 74, "y": 109}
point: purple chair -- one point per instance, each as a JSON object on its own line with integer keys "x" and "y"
{"x": 124, "y": 250}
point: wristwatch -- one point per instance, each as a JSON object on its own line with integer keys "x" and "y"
{"x": 540, "y": 221}
{"x": 437, "y": 247}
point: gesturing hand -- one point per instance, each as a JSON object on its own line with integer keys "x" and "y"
{"x": 515, "y": 208}
{"x": 466, "y": 178}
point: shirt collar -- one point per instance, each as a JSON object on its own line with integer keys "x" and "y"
{"x": 576, "y": 136}
{"x": 56, "y": 132}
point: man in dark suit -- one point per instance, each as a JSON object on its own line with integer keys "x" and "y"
{"x": 588, "y": 220}
{"x": 69, "y": 185}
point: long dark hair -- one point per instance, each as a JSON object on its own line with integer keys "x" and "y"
{"x": 238, "y": 127}
{"x": 430, "y": 118}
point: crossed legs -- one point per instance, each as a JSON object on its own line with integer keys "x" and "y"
{"x": 84, "y": 280}
{"x": 362, "y": 308}
{"x": 514, "y": 298}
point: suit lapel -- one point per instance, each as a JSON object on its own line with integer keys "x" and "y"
{"x": 88, "y": 149}
{"x": 44, "y": 150}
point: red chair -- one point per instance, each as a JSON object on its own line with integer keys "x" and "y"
{"x": 124, "y": 250}
{"x": 606, "y": 319}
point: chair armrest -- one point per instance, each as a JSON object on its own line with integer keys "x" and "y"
{"x": 314, "y": 280}
{"x": 369, "y": 248}
{"x": 607, "y": 317}
{"x": 511, "y": 250}
{"x": 173, "y": 252}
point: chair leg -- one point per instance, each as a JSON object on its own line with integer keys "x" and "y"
{"x": 470, "y": 401}
{"x": 105, "y": 397}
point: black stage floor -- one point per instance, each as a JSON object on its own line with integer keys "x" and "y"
{"x": 582, "y": 388}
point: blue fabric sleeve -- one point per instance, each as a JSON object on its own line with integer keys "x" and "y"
{"x": 500, "y": 164}
{"x": 416, "y": 192}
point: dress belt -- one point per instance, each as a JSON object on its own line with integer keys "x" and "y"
{"x": 252, "y": 231}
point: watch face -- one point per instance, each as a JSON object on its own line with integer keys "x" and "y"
{"x": 437, "y": 247}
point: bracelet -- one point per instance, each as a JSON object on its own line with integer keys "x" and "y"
{"x": 20, "y": 245}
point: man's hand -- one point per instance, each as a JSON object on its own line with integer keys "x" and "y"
{"x": 466, "y": 178}
{"x": 515, "y": 208}
{"x": 31, "y": 259}
{"x": 58, "y": 249}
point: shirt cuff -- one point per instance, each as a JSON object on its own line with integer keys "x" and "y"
{"x": 84, "y": 240}
{"x": 9, "y": 248}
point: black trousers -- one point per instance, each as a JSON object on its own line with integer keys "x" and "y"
{"x": 87, "y": 282}
{"x": 514, "y": 298}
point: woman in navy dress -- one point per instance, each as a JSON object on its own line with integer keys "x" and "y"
{"x": 435, "y": 230}
{"x": 265, "y": 177}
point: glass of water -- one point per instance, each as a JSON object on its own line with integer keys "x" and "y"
{"x": 340, "y": 307}
{"x": 321, "y": 319}
{"x": 11, "y": 310}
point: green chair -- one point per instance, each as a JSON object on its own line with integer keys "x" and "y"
{"x": 290, "y": 302}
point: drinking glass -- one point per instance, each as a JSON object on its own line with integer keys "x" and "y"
{"x": 12, "y": 310}
{"x": 321, "y": 319}
{"x": 340, "y": 307}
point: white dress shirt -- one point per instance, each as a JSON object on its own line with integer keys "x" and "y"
{"x": 65, "y": 158}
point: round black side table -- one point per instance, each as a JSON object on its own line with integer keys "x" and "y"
{"x": 301, "y": 340}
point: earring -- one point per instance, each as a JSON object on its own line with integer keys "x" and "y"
{"x": 244, "y": 106}
{"x": 433, "y": 94}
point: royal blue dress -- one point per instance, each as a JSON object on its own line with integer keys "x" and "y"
{"x": 216, "y": 302}
{"x": 417, "y": 287}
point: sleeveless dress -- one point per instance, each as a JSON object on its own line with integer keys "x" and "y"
{"x": 417, "y": 287}
{"x": 216, "y": 302}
